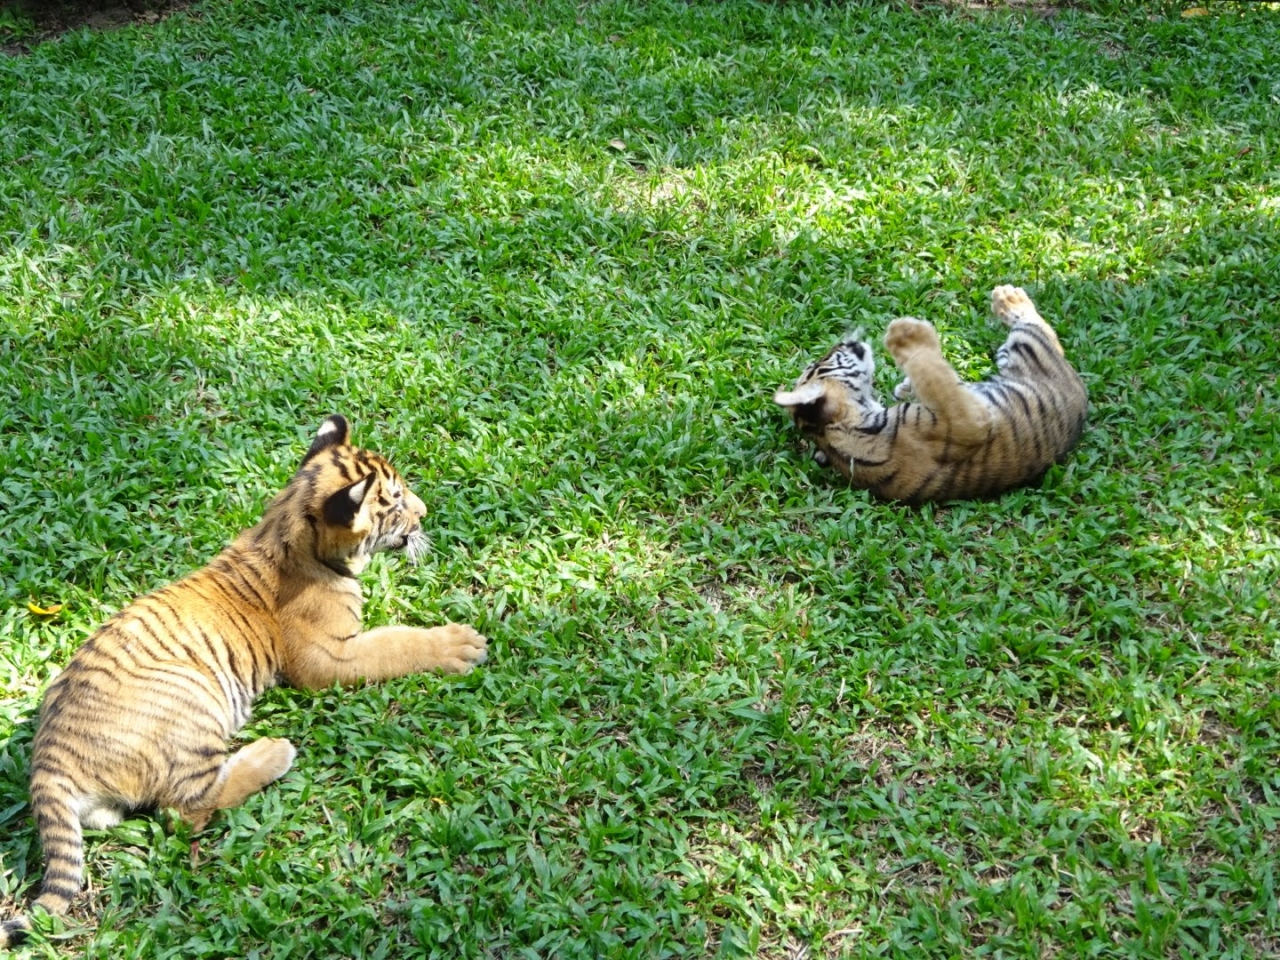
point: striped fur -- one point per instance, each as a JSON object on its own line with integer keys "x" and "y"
{"x": 142, "y": 715}
{"x": 948, "y": 440}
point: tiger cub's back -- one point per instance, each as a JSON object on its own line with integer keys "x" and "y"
{"x": 1038, "y": 402}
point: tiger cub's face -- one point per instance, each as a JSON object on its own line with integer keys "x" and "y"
{"x": 355, "y": 503}
{"x": 835, "y": 389}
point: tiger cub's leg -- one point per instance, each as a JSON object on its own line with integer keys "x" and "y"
{"x": 1014, "y": 308}
{"x": 915, "y": 348}
{"x": 388, "y": 652}
{"x": 243, "y": 774}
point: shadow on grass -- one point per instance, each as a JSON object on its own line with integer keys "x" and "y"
{"x": 24, "y": 24}
{"x": 367, "y": 187}
{"x": 575, "y": 343}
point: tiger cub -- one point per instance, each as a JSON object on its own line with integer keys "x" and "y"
{"x": 142, "y": 715}
{"x": 948, "y": 440}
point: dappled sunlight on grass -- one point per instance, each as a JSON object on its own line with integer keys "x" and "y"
{"x": 553, "y": 261}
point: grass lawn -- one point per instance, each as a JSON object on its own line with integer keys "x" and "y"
{"x": 553, "y": 259}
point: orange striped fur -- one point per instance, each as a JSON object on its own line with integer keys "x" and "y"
{"x": 142, "y": 715}
{"x": 948, "y": 440}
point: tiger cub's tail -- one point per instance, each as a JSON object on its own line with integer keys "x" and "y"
{"x": 62, "y": 840}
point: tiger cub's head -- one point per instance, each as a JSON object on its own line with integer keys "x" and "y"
{"x": 835, "y": 389}
{"x": 353, "y": 503}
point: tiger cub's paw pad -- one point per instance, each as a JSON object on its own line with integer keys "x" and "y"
{"x": 1012, "y": 305}
{"x": 906, "y": 335}
{"x": 461, "y": 648}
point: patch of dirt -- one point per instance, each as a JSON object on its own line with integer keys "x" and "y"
{"x": 25, "y": 24}
{"x": 1040, "y": 7}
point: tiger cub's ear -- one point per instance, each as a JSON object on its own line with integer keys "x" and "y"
{"x": 342, "y": 508}
{"x": 334, "y": 432}
{"x": 808, "y": 405}
{"x": 805, "y": 394}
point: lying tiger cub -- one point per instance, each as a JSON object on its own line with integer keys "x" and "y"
{"x": 144, "y": 713}
{"x": 947, "y": 440}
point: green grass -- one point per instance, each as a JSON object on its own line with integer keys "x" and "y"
{"x": 553, "y": 259}
{"x": 15, "y": 25}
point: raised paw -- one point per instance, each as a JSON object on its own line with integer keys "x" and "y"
{"x": 1012, "y": 305}
{"x": 460, "y": 648}
{"x": 906, "y": 335}
{"x": 904, "y": 390}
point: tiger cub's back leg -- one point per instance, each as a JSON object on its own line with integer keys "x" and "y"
{"x": 1014, "y": 309}
{"x": 243, "y": 774}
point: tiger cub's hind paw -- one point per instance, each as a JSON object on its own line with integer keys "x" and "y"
{"x": 1011, "y": 305}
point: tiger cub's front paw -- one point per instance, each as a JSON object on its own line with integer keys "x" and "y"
{"x": 459, "y": 648}
{"x": 906, "y": 335}
{"x": 904, "y": 390}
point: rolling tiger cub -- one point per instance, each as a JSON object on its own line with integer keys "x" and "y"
{"x": 946, "y": 439}
{"x": 142, "y": 715}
